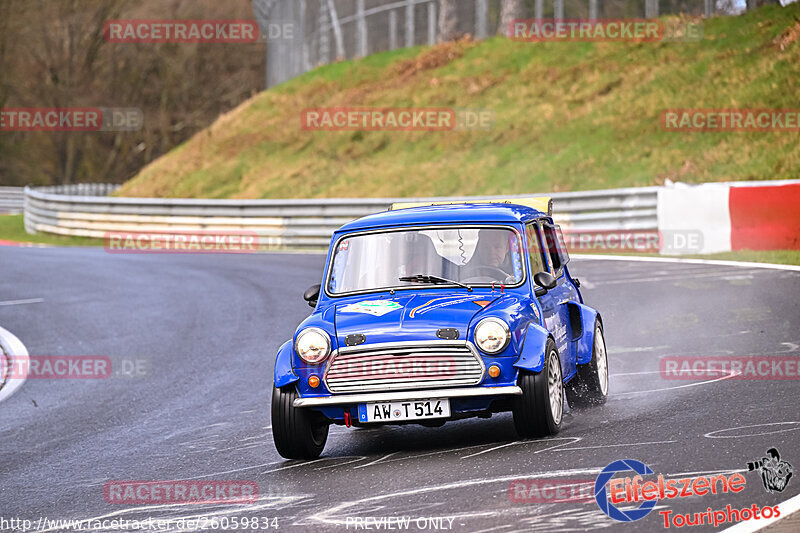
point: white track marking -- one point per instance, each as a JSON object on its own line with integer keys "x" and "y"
{"x": 498, "y": 528}
{"x": 19, "y": 353}
{"x": 573, "y": 439}
{"x": 705, "y": 473}
{"x": 706, "y": 382}
{"x": 792, "y": 505}
{"x": 337, "y": 465}
{"x": 614, "y": 445}
{"x": 493, "y": 449}
{"x": 710, "y": 434}
{"x": 376, "y": 460}
{"x": 22, "y": 302}
{"x": 716, "y": 262}
{"x": 299, "y": 464}
{"x": 437, "y": 452}
{"x": 326, "y": 518}
{"x": 653, "y": 279}
{"x": 234, "y": 470}
{"x": 615, "y": 351}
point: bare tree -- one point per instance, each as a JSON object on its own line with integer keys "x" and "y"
{"x": 509, "y": 10}
{"x": 5, "y": 18}
{"x": 448, "y": 20}
{"x": 64, "y": 51}
{"x": 54, "y": 55}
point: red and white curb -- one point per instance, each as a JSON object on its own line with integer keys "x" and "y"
{"x": 761, "y": 215}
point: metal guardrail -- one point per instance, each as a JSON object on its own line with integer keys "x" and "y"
{"x": 85, "y": 210}
{"x": 11, "y": 199}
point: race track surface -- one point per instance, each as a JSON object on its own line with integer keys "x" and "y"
{"x": 205, "y": 330}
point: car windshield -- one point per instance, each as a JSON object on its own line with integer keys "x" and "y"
{"x": 471, "y": 256}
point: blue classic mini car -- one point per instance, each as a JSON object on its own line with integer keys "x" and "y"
{"x": 432, "y": 313}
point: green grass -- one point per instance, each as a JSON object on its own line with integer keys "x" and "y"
{"x": 12, "y": 228}
{"x": 780, "y": 257}
{"x": 569, "y": 116}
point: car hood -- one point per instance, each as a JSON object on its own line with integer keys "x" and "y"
{"x": 409, "y": 317}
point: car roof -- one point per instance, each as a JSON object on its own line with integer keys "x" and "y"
{"x": 472, "y": 213}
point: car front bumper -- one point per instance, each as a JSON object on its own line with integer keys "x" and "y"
{"x": 463, "y": 392}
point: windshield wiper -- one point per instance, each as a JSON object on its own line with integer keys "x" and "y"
{"x": 427, "y": 278}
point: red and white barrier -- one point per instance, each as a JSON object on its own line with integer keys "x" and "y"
{"x": 761, "y": 215}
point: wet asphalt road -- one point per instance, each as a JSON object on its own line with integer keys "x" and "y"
{"x": 205, "y": 330}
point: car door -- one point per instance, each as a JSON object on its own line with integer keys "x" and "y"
{"x": 557, "y": 311}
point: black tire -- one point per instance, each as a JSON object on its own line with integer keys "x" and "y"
{"x": 533, "y": 411}
{"x": 589, "y": 387}
{"x": 298, "y": 433}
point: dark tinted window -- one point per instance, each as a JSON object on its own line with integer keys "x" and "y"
{"x": 538, "y": 263}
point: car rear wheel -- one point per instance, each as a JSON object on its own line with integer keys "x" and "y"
{"x": 540, "y": 408}
{"x": 298, "y": 433}
{"x": 590, "y": 385}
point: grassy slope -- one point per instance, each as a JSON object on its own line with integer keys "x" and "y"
{"x": 570, "y": 116}
{"x": 12, "y": 228}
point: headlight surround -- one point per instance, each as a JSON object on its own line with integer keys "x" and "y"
{"x": 313, "y": 345}
{"x": 492, "y": 335}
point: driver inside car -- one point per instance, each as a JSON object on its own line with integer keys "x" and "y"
{"x": 492, "y": 258}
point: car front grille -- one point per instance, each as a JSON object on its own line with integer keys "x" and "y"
{"x": 391, "y": 366}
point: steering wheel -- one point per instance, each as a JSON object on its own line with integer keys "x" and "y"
{"x": 494, "y": 271}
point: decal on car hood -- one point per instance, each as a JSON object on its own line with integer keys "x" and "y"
{"x": 445, "y": 301}
{"x": 408, "y": 317}
{"x": 372, "y": 307}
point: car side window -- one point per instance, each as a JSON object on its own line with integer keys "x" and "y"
{"x": 552, "y": 249}
{"x": 538, "y": 263}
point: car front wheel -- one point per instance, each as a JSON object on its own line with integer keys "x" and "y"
{"x": 540, "y": 408}
{"x": 298, "y": 433}
{"x": 590, "y": 385}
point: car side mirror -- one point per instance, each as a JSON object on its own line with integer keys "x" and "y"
{"x": 545, "y": 282}
{"x": 312, "y": 294}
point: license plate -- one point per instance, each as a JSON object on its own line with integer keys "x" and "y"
{"x": 408, "y": 410}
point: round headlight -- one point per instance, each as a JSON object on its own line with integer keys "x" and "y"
{"x": 492, "y": 335}
{"x": 313, "y": 345}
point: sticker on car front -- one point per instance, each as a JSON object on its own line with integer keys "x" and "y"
{"x": 372, "y": 307}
